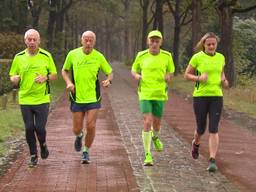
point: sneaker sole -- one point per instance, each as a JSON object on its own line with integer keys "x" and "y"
{"x": 212, "y": 170}
{"x": 85, "y": 162}
{"x": 148, "y": 164}
{"x": 159, "y": 150}
{"x": 32, "y": 166}
{"x": 45, "y": 156}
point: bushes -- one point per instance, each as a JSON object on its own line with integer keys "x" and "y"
{"x": 244, "y": 48}
{"x": 10, "y": 44}
{"x": 5, "y": 84}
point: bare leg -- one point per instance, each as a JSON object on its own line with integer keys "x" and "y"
{"x": 78, "y": 119}
{"x": 213, "y": 144}
{"x": 156, "y": 123}
{"x": 197, "y": 138}
{"x": 147, "y": 121}
{"x": 90, "y": 127}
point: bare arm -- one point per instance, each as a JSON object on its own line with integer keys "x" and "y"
{"x": 224, "y": 81}
{"x": 107, "y": 82}
{"x": 52, "y": 77}
{"x": 168, "y": 77}
{"x": 42, "y": 78}
{"x": 190, "y": 75}
{"x": 136, "y": 76}
{"x": 69, "y": 85}
{"x": 15, "y": 79}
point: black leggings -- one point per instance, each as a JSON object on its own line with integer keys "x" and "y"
{"x": 204, "y": 106}
{"x": 35, "y": 118}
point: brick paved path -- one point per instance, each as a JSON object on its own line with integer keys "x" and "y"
{"x": 174, "y": 169}
{"x": 237, "y": 149}
{"x": 117, "y": 153}
{"x": 62, "y": 171}
{"x": 237, "y": 145}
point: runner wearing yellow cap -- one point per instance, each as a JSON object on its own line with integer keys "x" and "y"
{"x": 152, "y": 68}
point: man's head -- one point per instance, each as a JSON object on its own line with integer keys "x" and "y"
{"x": 154, "y": 41}
{"x": 32, "y": 40}
{"x": 88, "y": 40}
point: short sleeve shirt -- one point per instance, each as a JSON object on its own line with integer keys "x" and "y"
{"x": 85, "y": 69}
{"x": 213, "y": 66}
{"x": 153, "y": 68}
{"x": 28, "y": 67}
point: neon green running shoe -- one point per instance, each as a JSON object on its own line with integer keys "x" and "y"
{"x": 157, "y": 144}
{"x": 148, "y": 160}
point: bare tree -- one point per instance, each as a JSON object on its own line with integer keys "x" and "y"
{"x": 35, "y": 7}
{"x": 196, "y": 22}
{"x": 180, "y": 18}
{"x": 57, "y": 10}
{"x": 158, "y": 16}
{"x": 127, "y": 52}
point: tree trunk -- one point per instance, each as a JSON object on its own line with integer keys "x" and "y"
{"x": 144, "y": 4}
{"x": 106, "y": 38}
{"x": 51, "y": 24}
{"x": 196, "y": 20}
{"x": 35, "y": 10}
{"x": 22, "y": 16}
{"x": 60, "y": 16}
{"x": 158, "y": 20}
{"x": 176, "y": 39}
{"x": 127, "y": 56}
{"x": 226, "y": 22}
{"x": 36, "y": 16}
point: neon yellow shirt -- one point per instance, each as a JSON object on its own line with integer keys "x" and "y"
{"x": 28, "y": 67}
{"x": 85, "y": 69}
{"x": 153, "y": 68}
{"x": 213, "y": 66}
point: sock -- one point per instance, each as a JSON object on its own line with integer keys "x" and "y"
{"x": 155, "y": 133}
{"x": 86, "y": 149}
{"x": 43, "y": 145}
{"x": 146, "y": 137}
{"x": 80, "y": 134}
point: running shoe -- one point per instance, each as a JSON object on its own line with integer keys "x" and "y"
{"x": 44, "y": 151}
{"x": 212, "y": 167}
{"x": 78, "y": 142}
{"x": 85, "y": 158}
{"x": 148, "y": 160}
{"x": 33, "y": 161}
{"x": 157, "y": 144}
{"x": 195, "y": 150}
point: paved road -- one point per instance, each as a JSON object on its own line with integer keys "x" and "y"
{"x": 117, "y": 153}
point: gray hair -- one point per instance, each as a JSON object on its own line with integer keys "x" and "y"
{"x": 90, "y": 34}
{"x": 31, "y": 31}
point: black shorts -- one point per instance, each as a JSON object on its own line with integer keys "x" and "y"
{"x": 83, "y": 107}
{"x": 207, "y": 106}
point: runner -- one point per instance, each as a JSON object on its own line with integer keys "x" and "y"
{"x": 82, "y": 65}
{"x": 31, "y": 70}
{"x": 206, "y": 68}
{"x": 152, "y": 68}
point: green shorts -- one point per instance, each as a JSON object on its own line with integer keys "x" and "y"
{"x": 154, "y": 107}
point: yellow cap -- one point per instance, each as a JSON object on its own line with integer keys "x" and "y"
{"x": 155, "y": 33}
